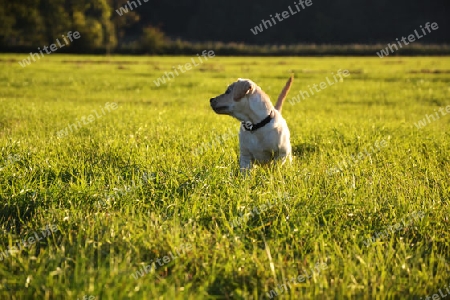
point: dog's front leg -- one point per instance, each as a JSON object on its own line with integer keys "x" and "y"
{"x": 245, "y": 162}
{"x": 284, "y": 157}
{"x": 245, "y": 156}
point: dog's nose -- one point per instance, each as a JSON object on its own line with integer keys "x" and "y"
{"x": 211, "y": 100}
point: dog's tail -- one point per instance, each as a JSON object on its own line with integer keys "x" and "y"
{"x": 284, "y": 93}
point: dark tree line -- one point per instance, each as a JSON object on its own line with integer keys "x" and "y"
{"x": 33, "y": 23}
{"x": 325, "y": 21}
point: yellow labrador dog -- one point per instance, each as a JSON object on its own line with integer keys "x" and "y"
{"x": 264, "y": 134}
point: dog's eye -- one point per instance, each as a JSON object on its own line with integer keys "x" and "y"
{"x": 228, "y": 91}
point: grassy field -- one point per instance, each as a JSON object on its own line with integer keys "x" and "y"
{"x": 105, "y": 177}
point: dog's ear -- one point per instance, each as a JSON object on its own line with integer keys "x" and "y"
{"x": 241, "y": 88}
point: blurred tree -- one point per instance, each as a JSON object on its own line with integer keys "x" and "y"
{"x": 121, "y": 23}
{"x": 21, "y": 23}
{"x": 109, "y": 31}
{"x": 7, "y": 24}
{"x": 153, "y": 40}
{"x": 55, "y": 17}
{"x": 90, "y": 30}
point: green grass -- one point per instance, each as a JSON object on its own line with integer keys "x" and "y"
{"x": 132, "y": 186}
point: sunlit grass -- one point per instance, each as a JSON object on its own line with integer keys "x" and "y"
{"x": 161, "y": 171}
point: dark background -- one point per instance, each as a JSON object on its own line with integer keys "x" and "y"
{"x": 325, "y": 21}
{"x": 176, "y": 26}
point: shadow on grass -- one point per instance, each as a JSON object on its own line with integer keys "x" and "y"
{"x": 13, "y": 216}
{"x": 303, "y": 149}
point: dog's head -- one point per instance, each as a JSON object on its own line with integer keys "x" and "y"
{"x": 237, "y": 100}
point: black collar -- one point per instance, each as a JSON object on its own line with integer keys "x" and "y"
{"x": 249, "y": 126}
